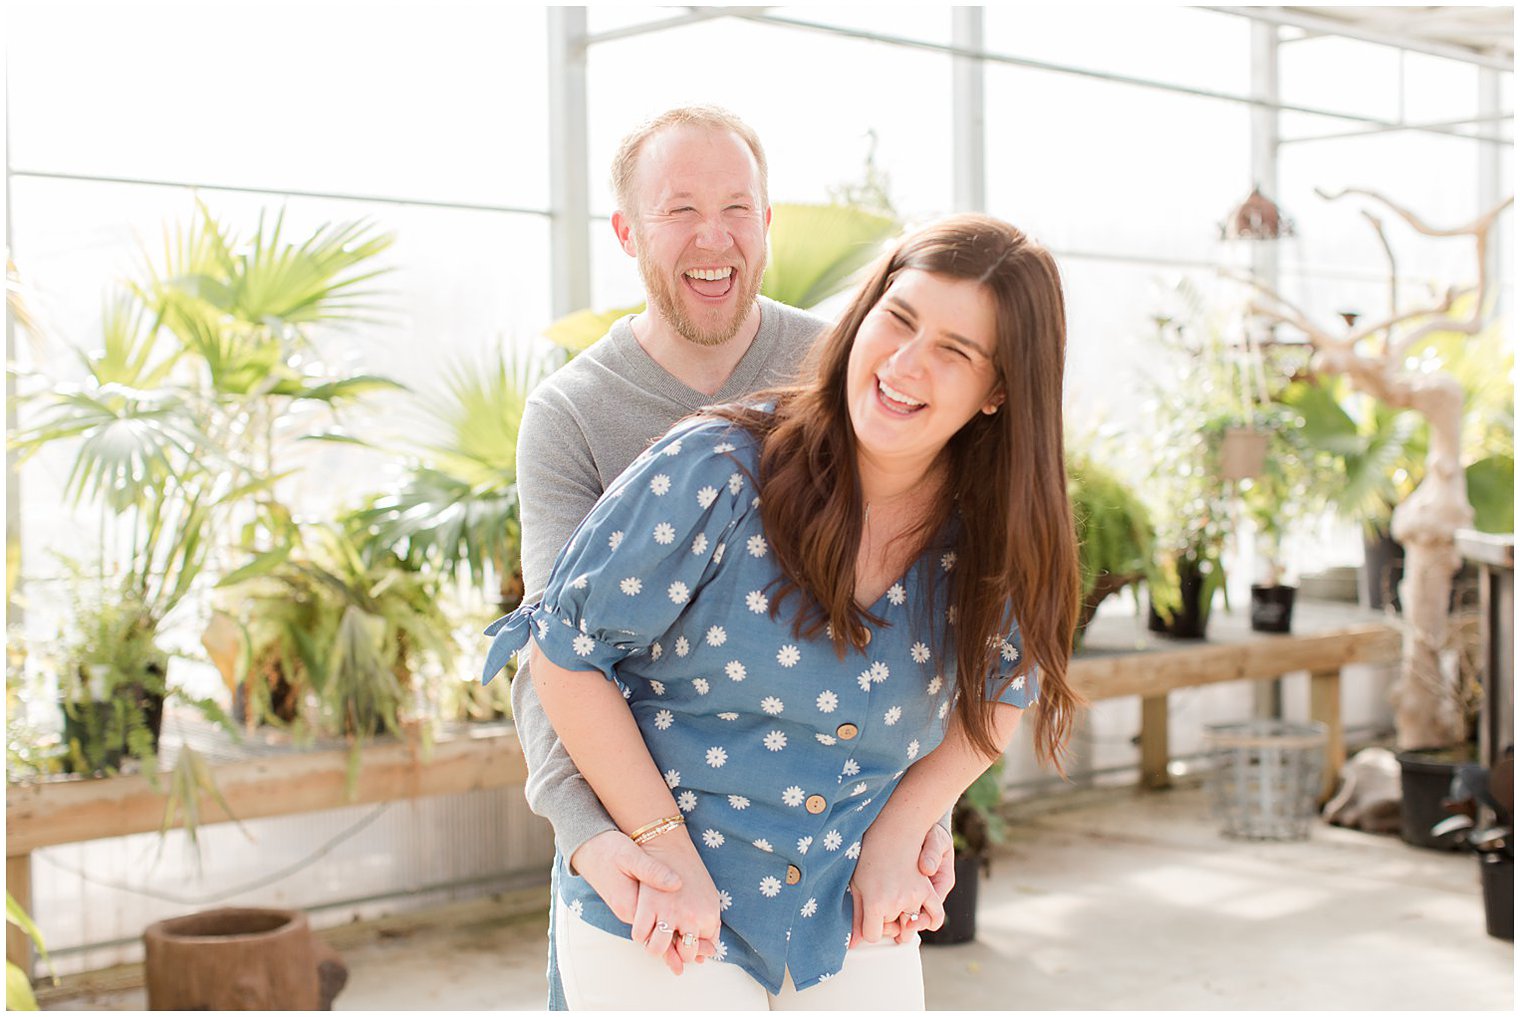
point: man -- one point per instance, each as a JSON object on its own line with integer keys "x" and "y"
{"x": 693, "y": 210}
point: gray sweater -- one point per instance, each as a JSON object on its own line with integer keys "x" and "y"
{"x": 580, "y": 429}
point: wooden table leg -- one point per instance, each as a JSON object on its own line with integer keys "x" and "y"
{"x": 18, "y": 883}
{"x": 1154, "y": 753}
{"x": 1325, "y": 707}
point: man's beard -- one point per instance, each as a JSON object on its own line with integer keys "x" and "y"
{"x": 665, "y": 301}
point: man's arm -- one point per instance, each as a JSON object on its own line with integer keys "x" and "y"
{"x": 557, "y": 485}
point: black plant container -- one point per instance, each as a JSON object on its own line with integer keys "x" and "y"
{"x": 1426, "y": 780}
{"x": 1191, "y": 620}
{"x": 1499, "y": 894}
{"x": 1272, "y": 608}
{"x": 960, "y": 906}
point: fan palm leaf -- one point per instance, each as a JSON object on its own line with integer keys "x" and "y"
{"x": 816, "y": 250}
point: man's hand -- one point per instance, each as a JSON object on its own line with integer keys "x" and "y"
{"x": 937, "y": 861}
{"x": 615, "y": 867}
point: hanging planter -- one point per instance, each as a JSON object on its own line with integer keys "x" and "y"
{"x": 1243, "y": 453}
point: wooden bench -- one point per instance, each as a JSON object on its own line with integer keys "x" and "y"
{"x": 1119, "y": 658}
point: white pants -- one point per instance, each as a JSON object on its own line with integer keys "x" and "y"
{"x": 602, "y": 971}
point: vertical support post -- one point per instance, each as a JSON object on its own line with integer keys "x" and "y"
{"x": 1155, "y": 752}
{"x": 1325, "y": 707}
{"x": 13, "y": 605}
{"x": 1491, "y": 183}
{"x": 18, "y": 883}
{"x": 968, "y": 112}
{"x": 569, "y": 189}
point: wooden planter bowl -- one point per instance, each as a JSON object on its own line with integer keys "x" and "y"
{"x": 239, "y": 959}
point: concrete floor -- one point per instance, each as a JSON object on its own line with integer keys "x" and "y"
{"x": 1103, "y": 900}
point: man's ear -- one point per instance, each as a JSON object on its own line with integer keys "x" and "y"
{"x": 767, "y": 217}
{"x": 623, "y": 228}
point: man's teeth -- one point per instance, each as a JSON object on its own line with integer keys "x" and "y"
{"x": 896, "y": 396}
{"x": 710, "y": 274}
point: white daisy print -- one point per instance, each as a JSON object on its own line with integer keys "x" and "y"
{"x": 892, "y": 716}
{"x": 920, "y": 653}
{"x": 660, "y": 485}
{"x": 792, "y": 796}
{"x": 725, "y": 900}
{"x": 699, "y": 544}
{"x": 757, "y": 602}
{"x": 627, "y": 693}
{"x": 716, "y": 756}
{"x": 880, "y": 672}
{"x": 738, "y": 802}
{"x": 788, "y": 656}
{"x": 775, "y": 741}
{"x": 712, "y": 838}
{"x": 947, "y": 561}
{"x": 896, "y": 594}
{"x": 614, "y": 540}
{"x": 935, "y": 684}
{"x": 728, "y": 716}
{"x": 803, "y": 843}
{"x": 722, "y": 953}
{"x": 944, "y": 708}
{"x": 674, "y": 448}
{"x": 664, "y": 533}
{"x": 683, "y": 647}
{"x": 581, "y": 580}
{"x": 722, "y": 447}
{"x": 770, "y": 886}
{"x": 657, "y": 687}
{"x": 951, "y": 614}
{"x": 700, "y": 684}
{"x": 718, "y": 554}
{"x": 656, "y": 651}
{"x": 864, "y": 681}
{"x": 832, "y": 841}
{"x": 672, "y": 779}
{"x": 756, "y": 546}
{"x": 826, "y": 739}
{"x": 764, "y": 845}
{"x": 772, "y": 705}
{"x": 735, "y": 483}
{"x": 854, "y": 850}
{"x": 851, "y": 768}
{"x": 707, "y": 496}
{"x": 913, "y": 749}
{"x": 717, "y": 636}
{"x": 543, "y": 628}
{"x": 827, "y": 701}
{"x": 1017, "y": 683}
{"x": 576, "y": 907}
{"x": 686, "y": 801}
{"x": 664, "y": 719}
{"x": 735, "y": 671}
{"x": 583, "y": 645}
{"x": 1010, "y": 652}
{"x": 678, "y": 592}
{"x": 858, "y": 789}
{"x": 810, "y": 908}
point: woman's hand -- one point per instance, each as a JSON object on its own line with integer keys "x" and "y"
{"x": 693, "y": 909}
{"x": 888, "y": 889}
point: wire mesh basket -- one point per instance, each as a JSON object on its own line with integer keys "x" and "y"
{"x": 1266, "y": 777}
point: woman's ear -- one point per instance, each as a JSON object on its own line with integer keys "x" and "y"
{"x": 993, "y": 403}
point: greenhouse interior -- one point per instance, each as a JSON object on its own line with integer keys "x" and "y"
{"x": 281, "y": 330}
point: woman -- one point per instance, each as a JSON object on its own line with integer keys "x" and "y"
{"x": 792, "y": 599}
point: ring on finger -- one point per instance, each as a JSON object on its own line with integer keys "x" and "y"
{"x": 663, "y": 926}
{"x": 689, "y": 939}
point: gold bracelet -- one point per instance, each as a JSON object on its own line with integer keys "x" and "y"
{"x": 648, "y": 833}
{"x": 650, "y": 826}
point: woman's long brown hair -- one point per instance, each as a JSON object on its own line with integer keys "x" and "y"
{"x": 1016, "y": 546}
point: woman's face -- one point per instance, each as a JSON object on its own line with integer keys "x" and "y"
{"x": 921, "y": 368}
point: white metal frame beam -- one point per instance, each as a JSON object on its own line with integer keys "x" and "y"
{"x": 968, "y": 112}
{"x": 569, "y": 185}
{"x": 1319, "y": 25}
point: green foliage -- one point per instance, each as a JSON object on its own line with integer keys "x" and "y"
{"x": 1114, "y": 535}
{"x": 18, "y": 987}
{"x": 975, "y": 824}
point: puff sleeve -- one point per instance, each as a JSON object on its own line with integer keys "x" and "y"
{"x": 1024, "y": 690}
{"x": 640, "y": 556}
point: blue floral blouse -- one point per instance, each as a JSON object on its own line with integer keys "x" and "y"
{"x": 778, "y": 753}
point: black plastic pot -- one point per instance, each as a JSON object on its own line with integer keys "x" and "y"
{"x": 1498, "y": 894}
{"x": 1426, "y": 780}
{"x": 1272, "y": 608}
{"x": 1192, "y": 619}
{"x": 88, "y": 722}
{"x": 1382, "y": 571}
{"x": 960, "y": 906}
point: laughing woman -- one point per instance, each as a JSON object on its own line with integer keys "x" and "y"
{"x": 822, "y": 618}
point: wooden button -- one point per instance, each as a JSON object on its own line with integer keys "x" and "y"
{"x": 847, "y": 731}
{"x": 868, "y": 637}
{"x": 816, "y": 804}
{"x": 793, "y": 875}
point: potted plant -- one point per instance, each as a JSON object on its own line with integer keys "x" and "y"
{"x": 1483, "y": 803}
{"x": 1114, "y": 535}
{"x": 975, "y": 827}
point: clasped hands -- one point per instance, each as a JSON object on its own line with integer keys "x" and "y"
{"x": 666, "y": 883}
